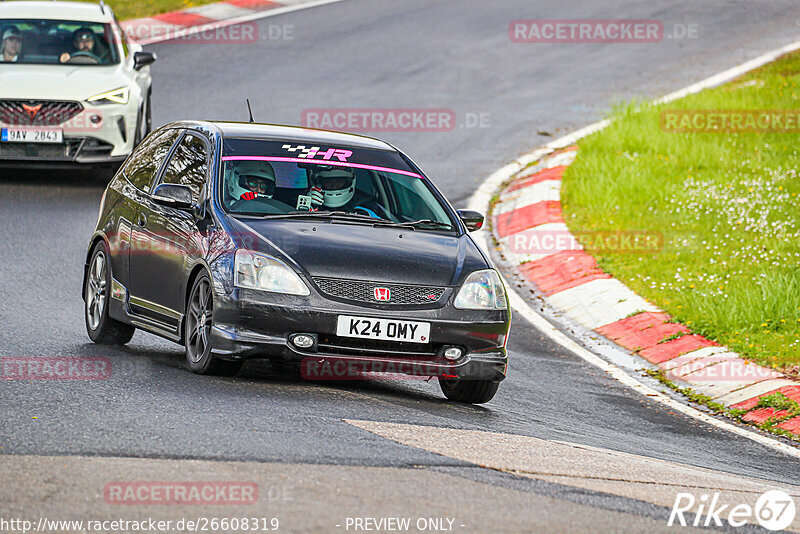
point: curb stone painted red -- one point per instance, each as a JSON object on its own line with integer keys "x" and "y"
{"x": 575, "y": 286}
{"x": 208, "y": 17}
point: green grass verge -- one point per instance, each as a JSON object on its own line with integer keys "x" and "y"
{"x": 779, "y": 401}
{"x": 134, "y": 9}
{"x": 725, "y": 204}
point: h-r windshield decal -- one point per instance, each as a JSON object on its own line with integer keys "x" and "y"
{"x": 312, "y": 152}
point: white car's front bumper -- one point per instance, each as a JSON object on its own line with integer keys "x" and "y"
{"x": 95, "y": 135}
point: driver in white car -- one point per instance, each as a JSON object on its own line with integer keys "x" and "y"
{"x": 84, "y": 42}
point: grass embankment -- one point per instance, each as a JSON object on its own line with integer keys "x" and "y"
{"x": 134, "y": 9}
{"x": 726, "y": 204}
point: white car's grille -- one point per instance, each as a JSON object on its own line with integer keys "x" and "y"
{"x": 37, "y": 112}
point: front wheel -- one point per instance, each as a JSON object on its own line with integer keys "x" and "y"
{"x": 99, "y": 325}
{"x": 470, "y": 391}
{"x": 197, "y": 332}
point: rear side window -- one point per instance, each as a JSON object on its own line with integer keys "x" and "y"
{"x": 147, "y": 158}
{"x": 188, "y": 165}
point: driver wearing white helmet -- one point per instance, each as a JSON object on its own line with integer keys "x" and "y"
{"x": 335, "y": 188}
{"x": 249, "y": 180}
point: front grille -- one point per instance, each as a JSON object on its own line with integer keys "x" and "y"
{"x": 37, "y": 112}
{"x": 346, "y": 346}
{"x": 57, "y": 151}
{"x": 359, "y": 291}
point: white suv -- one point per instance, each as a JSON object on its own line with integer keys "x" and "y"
{"x": 72, "y": 89}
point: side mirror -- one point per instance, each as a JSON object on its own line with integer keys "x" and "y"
{"x": 472, "y": 219}
{"x": 140, "y": 59}
{"x": 174, "y": 195}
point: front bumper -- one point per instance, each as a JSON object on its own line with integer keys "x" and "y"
{"x": 257, "y": 324}
{"x": 87, "y": 139}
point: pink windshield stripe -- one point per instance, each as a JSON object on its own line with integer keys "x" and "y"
{"x": 321, "y": 162}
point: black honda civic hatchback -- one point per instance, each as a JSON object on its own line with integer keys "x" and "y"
{"x": 332, "y": 250}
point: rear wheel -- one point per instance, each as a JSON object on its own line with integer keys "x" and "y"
{"x": 100, "y": 327}
{"x": 197, "y": 330}
{"x": 470, "y": 391}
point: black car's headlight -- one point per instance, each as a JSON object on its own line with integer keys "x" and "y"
{"x": 253, "y": 270}
{"x": 482, "y": 290}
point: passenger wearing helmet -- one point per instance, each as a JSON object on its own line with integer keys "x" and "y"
{"x": 249, "y": 180}
{"x": 334, "y": 188}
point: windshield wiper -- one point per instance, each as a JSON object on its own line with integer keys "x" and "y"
{"x": 414, "y": 224}
{"x": 329, "y": 215}
{"x": 375, "y": 221}
{"x": 429, "y": 222}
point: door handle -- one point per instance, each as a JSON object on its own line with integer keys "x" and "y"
{"x": 141, "y": 220}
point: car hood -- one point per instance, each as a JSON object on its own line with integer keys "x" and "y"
{"x": 59, "y": 82}
{"x": 363, "y": 252}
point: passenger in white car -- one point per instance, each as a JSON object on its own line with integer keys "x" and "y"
{"x": 11, "y": 47}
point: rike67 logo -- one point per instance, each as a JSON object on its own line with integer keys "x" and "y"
{"x": 774, "y": 510}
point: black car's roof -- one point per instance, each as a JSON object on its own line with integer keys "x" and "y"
{"x": 248, "y": 130}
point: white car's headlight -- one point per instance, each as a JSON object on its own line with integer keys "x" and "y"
{"x": 482, "y": 290}
{"x": 117, "y": 96}
{"x": 253, "y": 270}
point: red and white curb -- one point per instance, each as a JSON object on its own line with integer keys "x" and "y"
{"x": 594, "y": 304}
{"x": 209, "y": 19}
{"x": 573, "y": 284}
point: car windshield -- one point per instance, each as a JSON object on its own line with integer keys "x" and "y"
{"x": 296, "y": 179}
{"x": 37, "y": 41}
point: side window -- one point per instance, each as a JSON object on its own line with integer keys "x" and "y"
{"x": 147, "y": 158}
{"x": 188, "y": 165}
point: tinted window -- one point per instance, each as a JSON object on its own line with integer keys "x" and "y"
{"x": 58, "y": 42}
{"x": 266, "y": 177}
{"x": 188, "y": 165}
{"x": 147, "y": 158}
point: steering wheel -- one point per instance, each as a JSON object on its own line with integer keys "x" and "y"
{"x": 262, "y": 205}
{"x": 83, "y": 57}
{"x": 379, "y": 213}
{"x": 365, "y": 211}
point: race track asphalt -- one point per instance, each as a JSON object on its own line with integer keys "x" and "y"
{"x": 367, "y": 54}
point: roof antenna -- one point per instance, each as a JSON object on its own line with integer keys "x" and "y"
{"x": 249, "y": 109}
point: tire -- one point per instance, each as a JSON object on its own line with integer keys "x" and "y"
{"x": 469, "y": 391}
{"x": 100, "y": 327}
{"x": 196, "y": 328}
